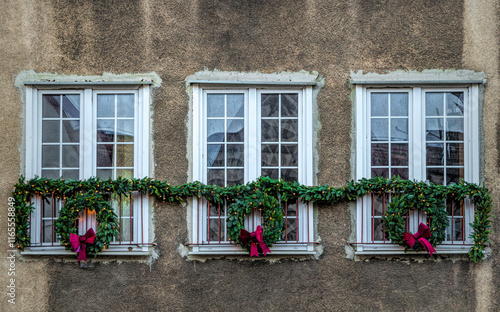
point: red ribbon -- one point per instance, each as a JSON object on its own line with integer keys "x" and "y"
{"x": 423, "y": 233}
{"x": 79, "y": 243}
{"x": 254, "y": 238}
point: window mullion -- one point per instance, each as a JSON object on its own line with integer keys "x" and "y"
{"x": 88, "y": 135}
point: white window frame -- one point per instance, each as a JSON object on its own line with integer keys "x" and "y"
{"x": 88, "y": 147}
{"x": 199, "y": 244}
{"x": 417, "y": 158}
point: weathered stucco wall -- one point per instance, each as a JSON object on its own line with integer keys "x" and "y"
{"x": 177, "y": 38}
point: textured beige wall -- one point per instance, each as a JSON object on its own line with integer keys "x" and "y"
{"x": 177, "y": 38}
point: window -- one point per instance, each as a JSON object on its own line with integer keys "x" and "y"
{"x": 239, "y": 134}
{"x": 419, "y": 131}
{"x": 82, "y": 131}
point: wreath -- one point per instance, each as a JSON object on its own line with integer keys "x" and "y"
{"x": 271, "y": 212}
{"x": 106, "y": 220}
{"x": 423, "y": 198}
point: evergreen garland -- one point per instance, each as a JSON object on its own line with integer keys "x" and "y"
{"x": 265, "y": 194}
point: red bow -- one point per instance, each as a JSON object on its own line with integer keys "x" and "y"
{"x": 423, "y": 233}
{"x": 254, "y": 238}
{"x": 78, "y": 243}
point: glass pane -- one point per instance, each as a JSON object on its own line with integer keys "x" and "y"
{"x": 124, "y": 155}
{"x": 378, "y": 232}
{"x": 235, "y": 105}
{"x": 378, "y": 205}
{"x": 50, "y": 156}
{"x": 455, "y": 129}
{"x": 289, "y": 105}
{"x": 434, "y": 104}
{"x": 71, "y": 106}
{"x": 48, "y": 209}
{"x": 380, "y": 129}
{"x": 291, "y": 229}
{"x": 272, "y": 173}
{"x": 71, "y": 131}
{"x": 453, "y": 175}
{"x": 380, "y": 154}
{"x": 399, "y": 154}
{"x": 215, "y": 105}
{"x": 289, "y": 130}
{"x": 434, "y": 128}
{"x": 51, "y": 106}
{"x": 125, "y": 105}
{"x": 48, "y": 231}
{"x": 216, "y": 210}
{"x": 455, "y": 104}
{"x": 435, "y": 175}
{"x": 105, "y": 155}
{"x": 435, "y": 154}
{"x": 125, "y": 173}
{"x": 401, "y": 172}
{"x": 399, "y": 104}
{"x": 125, "y": 130}
{"x": 269, "y": 105}
{"x": 105, "y": 130}
{"x": 125, "y": 230}
{"x": 235, "y": 130}
{"x": 50, "y": 131}
{"x": 457, "y": 207}
{"x": 289, "y": 175}
{"x": 70, "y": 156}
{"x": 215, "y": 130}
{"x": 289, "y": 155}
{"x": 105, "y": 173}
{"x": 215, "y": 155}
{"x": 71, "y": 174}
{"x": 457, "y": 230}
{"x": 270, "y": 130}
{"x": 380, "y": 104}
{"x": 106, "y": 105}
{"x": 270, "y": 155}
{"x": 380, "y": 172}
{"x": 50, "y": 174}
{"x": 235, "y": 177}
{"x": 235, "y": 155}
{"x": 291, "y": 208}
{"x": 455, "y": 154}
{"x": 215, "y": 231}
{"x": 215, "y": 177}
{"x": 399, "y": 129}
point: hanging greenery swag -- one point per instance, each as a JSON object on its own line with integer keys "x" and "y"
{"x": 265, "y": 193}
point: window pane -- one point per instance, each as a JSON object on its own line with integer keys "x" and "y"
{"x": 435, "y": 154}
{"x": 215, "y": 231}
{"x": 105, "y": 155}
{"x": 378, "y": 232}
{"x": 215, "y": 130}
{"x": 289, "y": 105}
{"x": 105, "y": 105}
{"x": 399, "y": 104}
{"x": 289, "y": 130}
{"x": 215, "y": 177}
{"x": 125, "y": 105}
{"x": 399, "y": 129}
{"x": 235, "y": 177}
{"x": 380, "y": 129}
{"x": 434, "y": 129}
{"x": 235, "y": 130}
{"x": 435, "y": 175}
{"x": 105, "y": 173}
{"x": 270, "y": 155}
{"x": 235, "y": 105}
{"x": 50, "y": 174}
{"x": 453, "y": 175}
{"x": 50, "y": 156}
{"x": 235, "y": 155}
{"x": 380, "y": 104}
{"x": 455, "y": 129}
{"x": 380, "y": 154}
{"x": 124, "y": 155}
{"x": 50, "y": 131}
{"x": 125, "y": 173}
{"x": 399, "y": 154}
{"x": 289, "y": 175}
{"x": 71, "y": 131}
{"x": 434, "y": 104}
{"x": 215, "y": 105}
{"x": 269, "y": 105}
{"x": 401, "y": 172}
{"x": 71, "y": 106}
{"x": 289, "y": 155}
{"x": 455, "y": 104}
{"x": 270, "y": 130}
{"x": 125, "y": 130}
{"x": 215, "y": 155}
{"x": 380, "y": 172}
{"x": 70, "y": 156}
{"x": 272, "y": 173}
{"x": 291, "y": 229}
{"x": 51, "y": 105}
{"x": 105, "y": 130}
{"x": 71, "y": 174}
{"x": 455, "y": 154}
